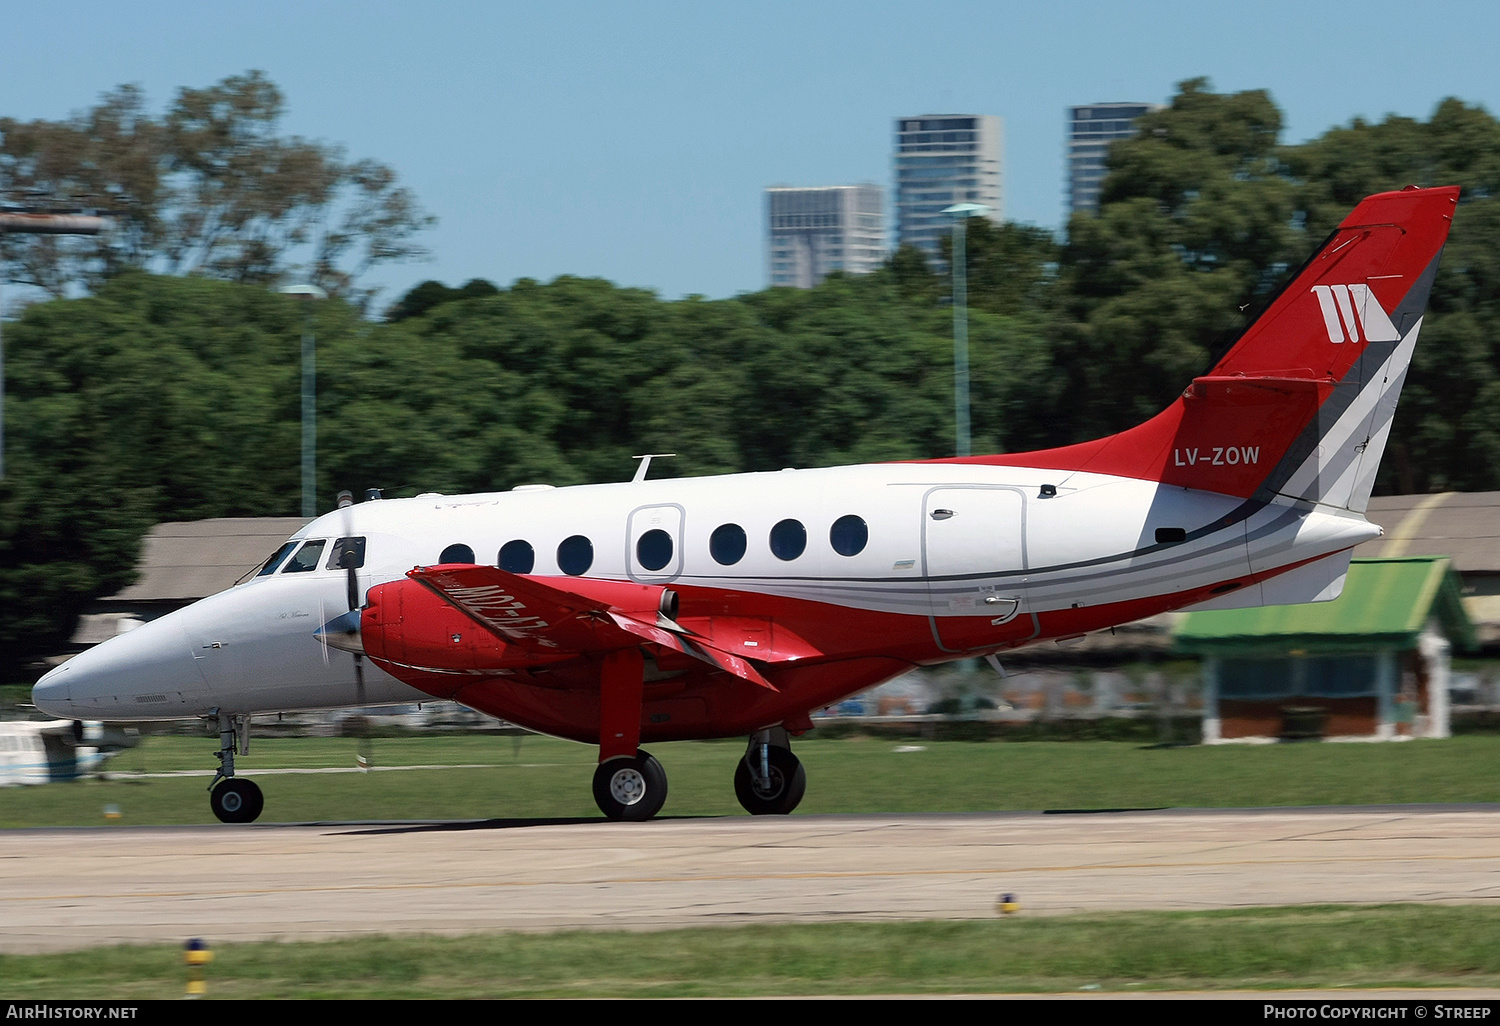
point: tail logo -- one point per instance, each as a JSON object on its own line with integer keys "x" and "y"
{"x": 1349, "y": 310}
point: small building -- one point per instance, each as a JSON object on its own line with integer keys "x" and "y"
{"x": 1372, "y": 664}
{"x": 181, "y": 563}
{"x": 1465, "y": 527}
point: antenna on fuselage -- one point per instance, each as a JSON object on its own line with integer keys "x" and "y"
{"x": 640, "y": 471}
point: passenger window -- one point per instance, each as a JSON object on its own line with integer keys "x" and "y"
{"x": 277, "y": 558}
{"x": 517, "y": 557}
{"x": 788, "y": 539}
{"x": 458, "y": 552}
{"x": 575, "y": 555}
{"x": 306, "y": 558}
{"x": 346, "y": 552}
{"x": 654, "y": 549}
{"x": 727, "y": 544}
{"x": 849, "y": 535}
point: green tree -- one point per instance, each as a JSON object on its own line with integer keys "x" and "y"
{"x": 1447, "y": 429}
{"x": 155, "y": 399}
{"x": 1195, "y": 225}
{"x": 211, "y": 188}
{"x": 421, "y": 298}
{"x": 1011, "y": 267}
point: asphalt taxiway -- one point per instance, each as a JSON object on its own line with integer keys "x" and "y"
{"x": 74, "y": 888}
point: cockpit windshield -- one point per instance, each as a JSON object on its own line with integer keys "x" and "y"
{"x": 307, "y": 557}
{"x": 277, "y": 558}
{"x": 347, "y": 552}
{"x": 343, "y": 554}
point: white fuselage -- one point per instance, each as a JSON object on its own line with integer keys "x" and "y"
{"x": 942, "y": 540}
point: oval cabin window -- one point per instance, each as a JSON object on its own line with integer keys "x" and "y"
{"x": 654, "y": 549}
{"x": 575, "y": 555}
{"x": 849, "y": 535}
{"x": 788, "y": 539}
{"x": 458, "y": 552}
{"x": 517, "y": 557}
{"x": 727, "y": 544}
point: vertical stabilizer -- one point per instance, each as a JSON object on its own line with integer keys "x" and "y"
{"x": 1301, "y": 406}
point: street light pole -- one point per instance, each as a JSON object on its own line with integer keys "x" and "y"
{"x": 958, "y": 266}
{"x": 308, "y": 293}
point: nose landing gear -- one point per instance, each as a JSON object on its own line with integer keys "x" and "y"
{"x": 233, "y": 799}
{"x": 236, "y": 800}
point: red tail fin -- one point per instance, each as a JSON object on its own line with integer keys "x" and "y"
{"x": 1301, "y": 405}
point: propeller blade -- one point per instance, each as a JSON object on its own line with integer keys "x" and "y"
{"x": 351, "y": 636}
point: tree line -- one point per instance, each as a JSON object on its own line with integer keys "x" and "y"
{"x": 168, "y": 398}
{"x": 210, "y": 188}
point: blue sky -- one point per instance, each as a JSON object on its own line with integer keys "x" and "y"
{"x": 632, "y": 141}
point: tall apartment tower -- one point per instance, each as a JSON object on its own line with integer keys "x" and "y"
{"x": 815, "y": 231}
{"x": 1091, "y": 129}
{"x": 941, "y": 160}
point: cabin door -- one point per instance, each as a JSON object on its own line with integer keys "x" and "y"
{"x": 974, "y": 562}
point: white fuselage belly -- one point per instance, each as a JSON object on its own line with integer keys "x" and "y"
{"x": 944, "y": 540}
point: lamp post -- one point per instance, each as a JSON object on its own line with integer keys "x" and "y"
{"x": 308, "y": 293}
{"x": 25, "y": 222}
{"x": 961, "y": 212}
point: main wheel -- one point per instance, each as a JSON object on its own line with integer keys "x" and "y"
{"x": 630, "y": 787}
{"x": 774, "y": 797}
{"x": 236, "y": 800}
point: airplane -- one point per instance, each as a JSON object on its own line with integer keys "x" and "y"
{"x": 37, "y": 752}
{"x": 658, "y": 610}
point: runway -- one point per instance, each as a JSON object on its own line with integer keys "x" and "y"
{"x": 75, "y": 888}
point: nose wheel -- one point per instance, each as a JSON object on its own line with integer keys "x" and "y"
{"x": 630, "y": 787}
{"x": 236, "y": 800}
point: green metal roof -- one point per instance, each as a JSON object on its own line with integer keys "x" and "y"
{"x": 1385, "y": 604}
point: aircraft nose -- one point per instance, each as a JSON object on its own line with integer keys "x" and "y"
{"x": 53, "y": 694}
{"x": 147, "y": 673}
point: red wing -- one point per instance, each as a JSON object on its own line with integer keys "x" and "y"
{"x": 546, "y": 619}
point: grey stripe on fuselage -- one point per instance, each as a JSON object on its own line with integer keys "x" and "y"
{"x": 1173, "y": 554}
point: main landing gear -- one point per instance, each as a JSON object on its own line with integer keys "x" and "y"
{"x": 769, "y": 780}
{"x": 630, "y": 787}
{"x": 629, "y": 783}
{"x": 233, "y": 799}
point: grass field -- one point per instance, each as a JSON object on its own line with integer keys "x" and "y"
{"x": 541, "y": 777}
{"x": 1272, "y": 948}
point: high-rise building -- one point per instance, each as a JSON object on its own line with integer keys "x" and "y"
{"x": 942, "y": 160}
{"x": 1091, "y": 130}
{"x": 818, "y": 230}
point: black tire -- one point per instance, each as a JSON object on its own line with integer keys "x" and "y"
{"x": 788, "y": 784}
{"x": 236, "y": 800}
{"x": 630, "y": 787}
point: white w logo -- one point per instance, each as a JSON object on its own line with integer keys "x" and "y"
{"x": 1352, "y": 308}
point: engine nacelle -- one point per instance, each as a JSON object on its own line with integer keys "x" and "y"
{"x": 404, "y": 624}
